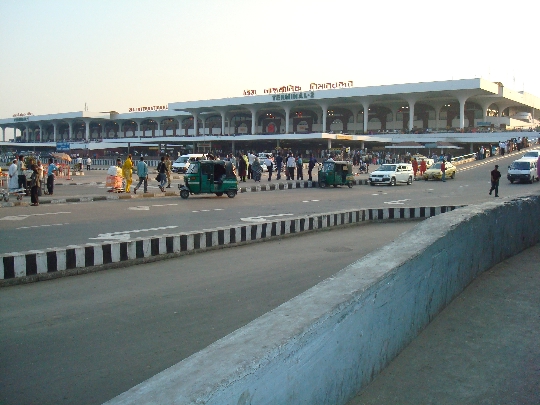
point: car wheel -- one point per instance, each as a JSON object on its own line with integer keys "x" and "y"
{"x": 453, "y": 176}
{"x": 184, "y": 194}
{"x": 231, "y": 193}
{"x": 322, "y": 184}
{"x": 350, "y": 184}
{"x": 219, "y": 194}
{"x": 409, "y": 182}
{"x": 371, "y": 183}
{"x": 512, "y": 181}
{"x": 393, "y": 181}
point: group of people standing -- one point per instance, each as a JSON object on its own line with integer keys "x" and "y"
{"x": 18, "y": 181}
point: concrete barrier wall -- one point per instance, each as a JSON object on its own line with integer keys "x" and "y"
{"x": 324, "y": 345}
{"x": 22, "y": 267}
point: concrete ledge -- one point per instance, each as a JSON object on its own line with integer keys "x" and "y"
{"x": 31, "y": 266}
{"x": 324, "y": 345}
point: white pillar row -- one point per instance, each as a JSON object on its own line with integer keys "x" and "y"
{"x": 411, "y": 102}
{"x": 366, "y": 116}
{"x": 462, "y": 101}
{"x": 253, "y": 112}
{"x": 324, "y": 108}
{"x": 55, "y": 130}
{"x": 437, "y": 107}
{"x": 70, "y": 134}
{"x": 87, "y": 130}
{"x": 287, "y": 109}
{"x": 195, "y": 124}
{"x": 354, "y": 111}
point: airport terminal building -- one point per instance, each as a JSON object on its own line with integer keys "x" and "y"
{"x": 459, "y": 111}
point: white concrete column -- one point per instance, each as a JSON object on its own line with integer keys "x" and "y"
{"x": 462, "y": 101}
{"x": 195, "y": 124}
{"x": 41, "y": 132}
{"x": 411, "y": 102}
{"x": 203, "y": 126}
{"x": 223, "y": 119}
{"x": 55, "y": 130}
{"x": 287, "y": 109}
{"x": 70, "y": 135}
{"x": 253, "y": 112}
{"x": 3, "y": 133}
{"x": 366, "y": 116}
{"x": 324, "y": 108}
{"x": 87, "y": 130}
{"x": 354, "y": 112}
{"x": 437, "y": 107}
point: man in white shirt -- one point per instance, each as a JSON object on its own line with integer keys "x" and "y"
{"x": 251, "y": 159}
{"x": 291, "y": 164}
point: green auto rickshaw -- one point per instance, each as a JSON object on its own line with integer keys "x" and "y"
{"x": 210, "y": 177}
{"x": 336, "y": 173}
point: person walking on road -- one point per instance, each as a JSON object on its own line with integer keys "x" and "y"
{"x": 443, "y": 170}
{"x": 21, "y": 167}
{"x": 162, "y": 170}
{"x": 13, "y": 182}
{"x": 270, "y": 166}
{"x": 415, "y": 167}
{"x": 423, "y": 167}
{"x": 279, "y": 164}
{"x": 299, "y": 167}
{"x": 495, "y": 176}
{"x": 51, "y": 171}
{"x": 242, "y": 168}
{"x": 291, "y": 163}
{"x": 168, "y": 165}
{"x": 88, "y": 163}
{"x": 127, "y": 172}
{"x": 311, "y": 164}
{"x": 35, "y": 185}
{"x": 142, "y": 172}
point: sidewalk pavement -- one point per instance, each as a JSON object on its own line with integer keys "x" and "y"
{"x": 482, "y": 349}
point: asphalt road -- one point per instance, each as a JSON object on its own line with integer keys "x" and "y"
{"x": 85, "y": 339}
{"x": 59, "y": 225}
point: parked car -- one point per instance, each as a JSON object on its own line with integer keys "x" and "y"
{"x": 435, "y": 173}
{"x": 522, "y": 170}
{"x": 392, "y": 174}
{"x": 532, "y": 154}
{"x": 181, "y": 164}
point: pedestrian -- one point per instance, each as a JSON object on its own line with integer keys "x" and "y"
{"x": 256, "y": 169}
{"x": 142, "y": 172}
{"x": 415, "y": 167}
{"x": 270, "y": 166}
{"x": 279, "y": 164}
{"x": 299, "y": 167}
{"x": 311, "y": 164}
{"x": 251, "y": 158}
{"x": 423, "y": 167}
{"x": 127, "y": 172}
{"x": 168, "y": 165}
{"x": 13, "y": 182}
{"x": 40, "y": 174}
{"x": 51, "y": 170}
{"x": 162, "y": 177}
{"x": 79, "y": 164}
{"x": 242, "y": 168}
{"x": 495, "y": 176}
{"x": 21, "y": 167}
{"x": 291, "y": 163}
{"x": 88, "y": 163}
{"x": 35, "y": 185}
{"x": 443, "y": 170}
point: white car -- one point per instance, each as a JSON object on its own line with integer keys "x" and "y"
{"x": 392, "y": 174}
{"x": 531, "y": 154}
{"x": 181, "y": 164}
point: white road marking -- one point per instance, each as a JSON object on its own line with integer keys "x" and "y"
{"x": 140, "y": 208}
{"x": 41, "y": 226}
{"x": 397, "y": 201}
{"x": 262, "y": 218}
{"x": 125, "y": 235}
{"x": 21, "y": 217}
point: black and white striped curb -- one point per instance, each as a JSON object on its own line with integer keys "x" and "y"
{"x": 37, "y": 265}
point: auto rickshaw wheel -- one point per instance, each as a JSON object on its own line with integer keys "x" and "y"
{"x": 219, "y": 194}
{"x": 335, "y": 185}
{"x": 350, "y": 184}
{"x": 184, "y": 194}
{"x": 231, "y": 193}
{"x": 322, "y": 184}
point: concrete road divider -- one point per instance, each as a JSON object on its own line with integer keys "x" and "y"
{"x": 35, "y": 265}
{"x": 324, "y": 345}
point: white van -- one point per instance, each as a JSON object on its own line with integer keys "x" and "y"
{"x": 181, "y": 164}
{"x": 392, "y": 173}
{"x": 522, "y": 170}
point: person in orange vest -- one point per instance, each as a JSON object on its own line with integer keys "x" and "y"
{"x": 415, "y": 167}
{"x": 423, "y": 167}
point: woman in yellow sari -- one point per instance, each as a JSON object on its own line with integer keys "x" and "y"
{"x": 127, "y": 171}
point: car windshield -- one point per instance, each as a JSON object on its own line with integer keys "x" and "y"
{"x": 387, "y": 168}
{"x": 520, "y": 166}
{"x": 181, "y": 159}
{"x": 531, "y": 154}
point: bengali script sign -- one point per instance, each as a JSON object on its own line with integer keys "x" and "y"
{"x": 22, "y": 114}
{"x": 336, "y": 85}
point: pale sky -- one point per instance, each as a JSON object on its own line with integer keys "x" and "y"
{"x": 57, "y": 55}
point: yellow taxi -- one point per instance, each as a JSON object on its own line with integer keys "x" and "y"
{"x": 434, "y": 171}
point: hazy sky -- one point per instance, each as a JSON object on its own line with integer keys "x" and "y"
{"x": 55, "y": 56}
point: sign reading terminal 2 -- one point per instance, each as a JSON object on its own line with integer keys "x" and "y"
{"x": 293, "y": 96}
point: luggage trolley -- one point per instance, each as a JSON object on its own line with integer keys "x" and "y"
{"x": 115, "y": 182}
